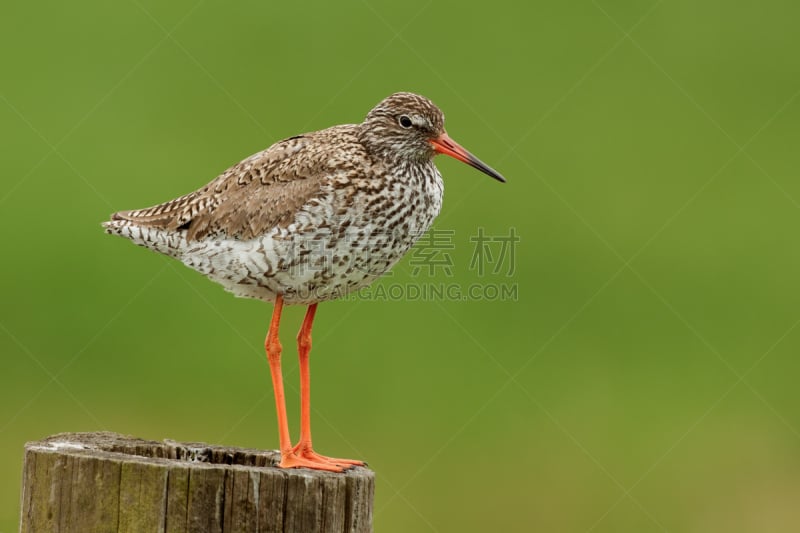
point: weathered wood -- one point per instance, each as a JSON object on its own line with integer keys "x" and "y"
{"x": 109, "y": 483}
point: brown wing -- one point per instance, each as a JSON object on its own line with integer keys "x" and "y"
{"x": 261, "y": 192}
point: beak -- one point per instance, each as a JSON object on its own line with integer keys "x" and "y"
{"x": 443, "y": 144}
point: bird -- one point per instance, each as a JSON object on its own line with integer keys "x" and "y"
{"x": 310, "y": 219}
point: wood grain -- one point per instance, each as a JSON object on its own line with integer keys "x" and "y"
{"x": 105, "y": 482}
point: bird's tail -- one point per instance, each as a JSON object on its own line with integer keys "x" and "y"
{"x": 167, "y": 242}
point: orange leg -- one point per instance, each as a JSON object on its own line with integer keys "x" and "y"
{"x": 272, "y": 344}
{"x": 303, "y": 448}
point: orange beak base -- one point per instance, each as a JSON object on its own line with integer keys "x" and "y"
{"x": 447, "y": 146}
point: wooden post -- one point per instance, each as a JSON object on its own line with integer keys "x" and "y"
{"x": 105, "y": 482}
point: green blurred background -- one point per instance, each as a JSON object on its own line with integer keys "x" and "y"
{"x": 644, "y": 380}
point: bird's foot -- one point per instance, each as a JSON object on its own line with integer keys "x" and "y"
{"x": 291, "y": 460}
{"x": 303, "y": 456}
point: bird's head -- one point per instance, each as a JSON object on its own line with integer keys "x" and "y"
{"x": 410, "y": 127}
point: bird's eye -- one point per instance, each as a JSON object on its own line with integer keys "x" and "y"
{"x": 405, "y": 121}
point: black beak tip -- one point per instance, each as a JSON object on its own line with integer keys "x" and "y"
{"x": 492, "y": 173}
{"x": 486, "y": 169}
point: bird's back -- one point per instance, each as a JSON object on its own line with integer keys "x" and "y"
{"x": 256, "y": 195}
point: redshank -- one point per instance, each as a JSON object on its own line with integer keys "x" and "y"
{"x": 310, "y": 219}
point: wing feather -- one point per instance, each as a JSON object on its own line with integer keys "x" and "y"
{"x": 261, "y": 192}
